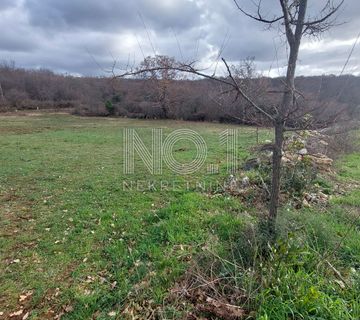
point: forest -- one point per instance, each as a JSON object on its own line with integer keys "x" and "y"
{"x": 170, "y": 97}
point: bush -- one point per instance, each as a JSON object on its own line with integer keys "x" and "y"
{"x": 110, "y": 107}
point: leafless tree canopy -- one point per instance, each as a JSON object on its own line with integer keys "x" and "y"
{"x": 195, "y": 100}
{"x": 288, "y": 18}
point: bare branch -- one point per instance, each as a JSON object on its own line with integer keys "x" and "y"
{"x": 332, "y": 11}
{"x": 287, "y": 21}
{"x": 242, "y": 93}
{"x": 189, "y": 68}
{"x": 259, "y": 16}
{"x": 301, "y": 16}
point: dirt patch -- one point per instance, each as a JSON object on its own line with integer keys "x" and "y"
{"x": 35, "y": 113}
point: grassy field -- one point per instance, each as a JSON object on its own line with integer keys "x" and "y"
{"x": 75, "y": 244}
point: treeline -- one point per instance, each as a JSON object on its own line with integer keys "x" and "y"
{"x": 196, "y": 100}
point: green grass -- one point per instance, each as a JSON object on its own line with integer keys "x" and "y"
{"x": 67, "y": 220}
{"x": 315, "y": 272}
{"x": 70, "y": 233}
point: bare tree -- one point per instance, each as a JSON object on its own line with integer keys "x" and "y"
{"x": 293, "y": 19}
{"x": 161, "y": 77}
{"x": 295, "y": 23}
{"x": 2, "y": 98}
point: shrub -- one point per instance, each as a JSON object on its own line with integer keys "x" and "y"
{"x": 109, "y": 107}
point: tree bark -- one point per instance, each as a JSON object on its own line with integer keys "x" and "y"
{"x": 276, "y": 171}
{"x": 294, "y": 40}
{"x": 2, "y": 98}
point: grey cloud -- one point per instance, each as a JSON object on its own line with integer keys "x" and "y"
{"x": 250, "y": 38}
{"x": 61, "y": 34}
{"x": 111, "y": 15}
{"x": 87, "y": 14}
{"x": 13, "y": 43}
{"x": 15, "y": 35}
{"x": 5, "y": 4}
{"x": 176, "y": 14}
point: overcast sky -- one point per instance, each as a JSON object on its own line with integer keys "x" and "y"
{"x": 78, "y": 36}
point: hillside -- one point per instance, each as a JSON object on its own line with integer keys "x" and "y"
{"x": 196, "y": 100}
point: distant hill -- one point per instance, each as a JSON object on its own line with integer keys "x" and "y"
{"x": 198, "y": 100}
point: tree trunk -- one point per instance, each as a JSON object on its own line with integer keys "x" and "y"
{"x": 276, "y": 170}
{"x": 2, "y": 98}
{"x": 294, "y": 40}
